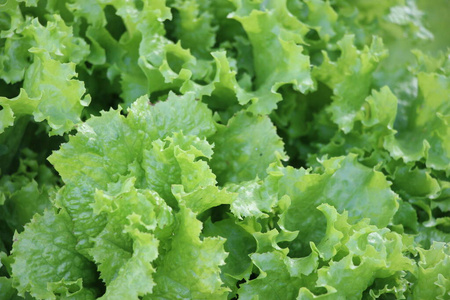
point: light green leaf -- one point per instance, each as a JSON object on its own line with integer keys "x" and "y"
{"x": 8, "y": 291}
{"x": 111, "y": 146}
{"x": 203, "y": 198}
{"x": 24, "y": 193}
{"x": 124, "y": 252}
{"x": 126, "y": 246}
{"x": 50, "y": 93}
{"x": 57, "y": 39}
{"x": 6, "y": 117}
{"x": 360, "y": 253}
{"x": 194, "y": 29}
{"x": 381, "y": 109}
{"x": 353, "y": 66}
{"x": 345, "y": 184}
{"x": 191, "y": 268}
{"x": 110, "y": 143}
{"x": 245, "y": 148}
{"x": 433, "y": 273}
{"x": 254, "y": 199}
{"x": 175, "y": 161}
{"x": 322, "y": 17}
{"x": 46, "y": 263}
{"x": 274, "y": 34}
{"x": 428, "y": 133}
{"x": 239, "y": 244}
{"x": 274, "y": 280}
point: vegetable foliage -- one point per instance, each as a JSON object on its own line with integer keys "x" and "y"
{"x": 230, "y": 149}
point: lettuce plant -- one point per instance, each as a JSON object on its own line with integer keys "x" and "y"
{"x": 230, "y": 149}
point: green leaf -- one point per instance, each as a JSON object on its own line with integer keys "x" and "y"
{"x": 360, "y": 253}
{"x": 46, "y": 263}
{"x": 191, "y": 268}
{"x": 281, "y": 63}
{"x": 428, "y": 134}
{"x": 177, "y": 161}
{"x": 203, "y": 198}
{"x": 274, "y": 280}
{"x": 24, "y": 202}
{"x": 322, "y": 17}
{"x": 111, "y": 146}
{"x": 126, "y": 247}
{"x": 225, "y": 92}
{"x": 429, "y": 235}
{"x": 111, "y": 142}
{"x": 8, "y": 291}
{"x": 27, "y": 191}
{"x": 194, "y": 29}
{"x": 50, "y": 93}
{"x": 57, "y": 39}
{"x": 406, "y": 216}
{"x": 6, "y": 117}
{"x": 239, "y": 244}
{"x": 254, "y": 199}
{"x": 352, "y": 66}
{"x": 245, "y": 148}
{"x": 415, "y": 182}
{"x": 345, "y": 184}
{"x": 433, "y": 273}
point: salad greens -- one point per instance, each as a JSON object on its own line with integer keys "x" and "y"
{"x": 230, "y": 149}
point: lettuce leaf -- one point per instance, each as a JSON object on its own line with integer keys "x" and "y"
{"x": 242, "y": 155}
{"x": 307, "y": 191}
{"x": 155, "y": 149}
{"x": 284, "y": 54}
{"x": 55, "y": 268}
{"x": 427, "y": 135}
{"x": 190, "y": 269}
{"x": 432, "y": 273}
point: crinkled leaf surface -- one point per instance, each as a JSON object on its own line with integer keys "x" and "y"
{"x": 345, "y": 184}
{"x": 245, "y": 148}
{"x": 433, "y": 273}
{"x": 46, "y": 262}
{"x": 187, "y": 192}
{"x": 427, "y": 135}
{"x": 190, "y": 269}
